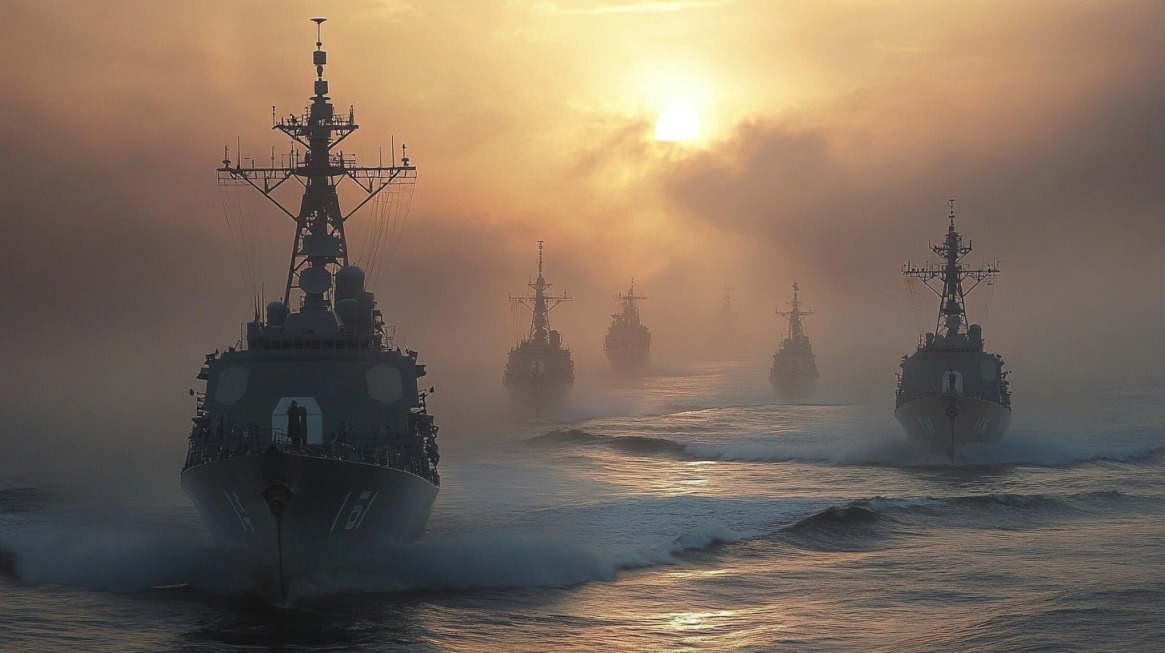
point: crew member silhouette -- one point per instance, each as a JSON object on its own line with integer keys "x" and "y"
{"x": 302, "y": 424}
{"x": 295, "y": 426}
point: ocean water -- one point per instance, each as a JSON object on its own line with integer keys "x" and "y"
{"x": 693, "y": 513}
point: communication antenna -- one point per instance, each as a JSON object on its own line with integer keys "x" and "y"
{"x": 319, "y": 29}
{"x": 320, "y": 247}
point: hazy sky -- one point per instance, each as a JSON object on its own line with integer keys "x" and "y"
{"x": 832, "y": 134}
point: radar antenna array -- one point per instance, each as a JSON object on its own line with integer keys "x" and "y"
{"x": 540, "y": 303}
{"x": 795, "y": 314}
{"x": 320, "y": 247}
{"x": 952, "y": 316}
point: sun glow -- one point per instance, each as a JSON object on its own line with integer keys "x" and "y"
{"x": 679, "y": 123}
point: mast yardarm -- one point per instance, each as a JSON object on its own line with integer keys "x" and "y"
{"x": 795, "y": 314}
{"x": 630, "y": 309}
{"x": 320, "y": 247}
{"x": 952, "y": 314}
{"x": 540, "y": 303}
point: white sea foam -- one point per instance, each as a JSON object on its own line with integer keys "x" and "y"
{"x": 105, "y": 554}
{"x": 111, "y": 555}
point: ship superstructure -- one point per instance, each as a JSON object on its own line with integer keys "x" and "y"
{"x": 951, "y": 390}
{"x": 723, "y": 340}
{"x": 794, "y": 371}
{"x": 628, "y": 341}
{"x": 312, "y": 446}
{"x": 539, "y": 370}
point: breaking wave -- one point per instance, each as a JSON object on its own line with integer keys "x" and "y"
{"x": 850, "y": 527}
{"x": 170, "y": 551}
{"x": 899, "y": 452}
{"x": 1019, "y": 449}
{"x": 632, "y": 444}
{"x": 868, "y": 523}
{"x": 509, "y": 561}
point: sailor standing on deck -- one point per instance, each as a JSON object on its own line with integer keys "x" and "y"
{"x": 294, "y": 426}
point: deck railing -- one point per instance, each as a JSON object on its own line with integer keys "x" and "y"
{"x": 406, "y": 453}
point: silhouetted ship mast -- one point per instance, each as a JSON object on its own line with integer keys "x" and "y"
{"x": 312, "y": 447}
{"x": 727, "y": 311}
{"x": 628, "y": 342}
{"x": 539, "y": 371}
{"x": 794, "y": 371}
{"x": 950, "y": 390}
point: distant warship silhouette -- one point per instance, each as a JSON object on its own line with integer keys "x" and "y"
{"x": 950, "y": 390}
{"x": 794, "y": 372}
{"x": 539, "y": 370}
{"x": 312, "y": 447}
{"x": 724, "y": 339}
{"x": 628, "y": 342}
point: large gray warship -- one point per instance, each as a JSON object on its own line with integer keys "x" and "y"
{"x": 794, "y": 372}
{"x": 312, "y": 447}
{"x": 951, "y": 390}
{"x": 628, "y": 342}
{"x": 539, "y": 370}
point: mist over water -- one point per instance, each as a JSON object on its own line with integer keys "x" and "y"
{"x": 692, "y": 511}
{"x": 689, "y": 511}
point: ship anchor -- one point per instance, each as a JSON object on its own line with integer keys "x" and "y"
{"x": 277, "y": 497}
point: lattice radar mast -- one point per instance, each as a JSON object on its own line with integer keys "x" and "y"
{"x": 795, "y": 314}
{"x": 540, "y": 303}
{"x": 630, "y": 309}
{"x": 320, "y": 247}
{"x": 952, "y": 313}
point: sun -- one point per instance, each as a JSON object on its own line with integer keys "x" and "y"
{"x": 678, "y": 123}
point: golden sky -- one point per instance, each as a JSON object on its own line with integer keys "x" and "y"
{"x": 831, "y": 135}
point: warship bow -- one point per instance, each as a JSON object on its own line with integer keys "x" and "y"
{"x": 628, "y": 341}
{"x": 951, "y": 390}
{"x": 539, "y": 370}
{"x": 794, "y": 371}
{"x": 312, "y": 447}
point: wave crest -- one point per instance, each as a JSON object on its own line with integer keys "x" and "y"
{"x": 632, "y": 444}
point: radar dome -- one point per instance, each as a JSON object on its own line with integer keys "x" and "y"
{"x": 348, "y": 310}
{"x": 349, "y": 282}
{"x": 276, "y": 313}
{"x": 315, "y": 280}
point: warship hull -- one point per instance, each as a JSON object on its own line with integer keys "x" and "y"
{"x": 929, "y": 420}
{"x": 794, "y": 387}
{"x": 295, "y": 516}
{"x": 538, "y": 377}
{"x": 793, "y": 377}
{"x": 537, "y": 396}
{"x": 628, "y": 361}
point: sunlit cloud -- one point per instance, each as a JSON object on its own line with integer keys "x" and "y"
{"x": 830, "y": 137}
{"x": 645, "y": 7}
{"x": 390, "y": 10}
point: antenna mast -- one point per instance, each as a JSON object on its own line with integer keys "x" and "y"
{"x": 540, "y": 303}
{"x": 320, "y": 247}
{"x": 795, "y": 314}
{"x": 630, "y": 310}
{"x": 952, "y": 313}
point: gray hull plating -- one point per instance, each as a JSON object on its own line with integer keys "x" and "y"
{"x": 336, "y": 514}
{"x": 538, "y": 396}
{"x": 628, "y": 361}
{"x": 794, "y": 376}
{"x": 929, "y": 420}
